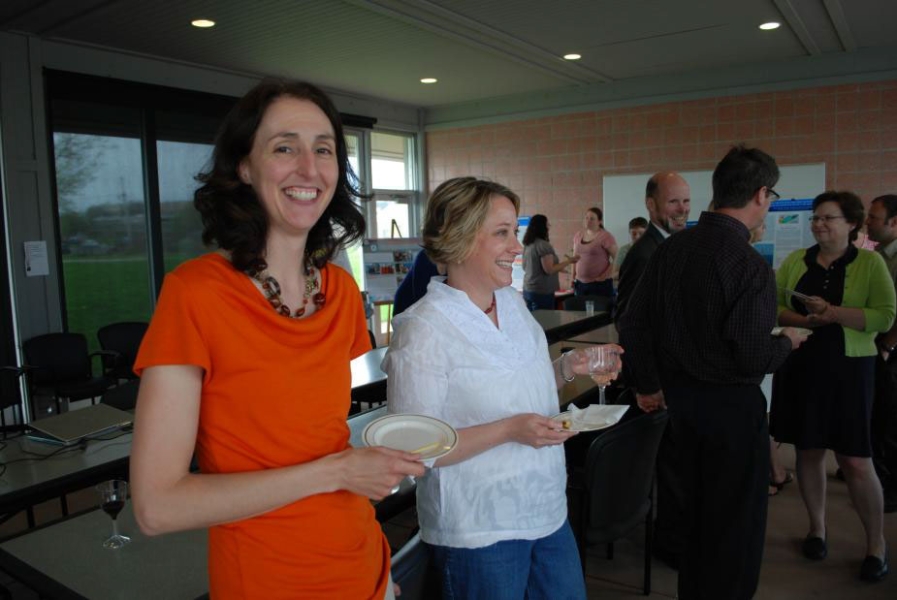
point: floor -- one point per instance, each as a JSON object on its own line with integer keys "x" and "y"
{"x": 786, "y": 574}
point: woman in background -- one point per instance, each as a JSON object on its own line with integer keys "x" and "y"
{"x": 494, "y": 510}
{"x": 779, "y": 477}
{"x": 596, "y": 247}
{"x": 541, "y": 265}
{"x": 246, "y": 361}
{"x": 822, "y": 395}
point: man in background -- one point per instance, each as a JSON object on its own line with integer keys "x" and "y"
{"x": 668, "y": 200}
{"x": 702, "y": 347}
{"x": 637, "y": 227}
{"x": 881, "y": 226}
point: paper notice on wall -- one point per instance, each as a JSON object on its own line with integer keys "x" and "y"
{"x": 36, "y": 263}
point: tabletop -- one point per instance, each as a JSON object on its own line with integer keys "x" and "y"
{"x": 34, "y": 471}
{"x": 66, "y": 560}
{"x": 563, "y": 324}
{"x": 37, "y": 471}
{"x": 602, "y": 335}
{"x": 366, "y": 368}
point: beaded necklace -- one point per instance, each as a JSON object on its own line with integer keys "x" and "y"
{"x": 491, "y": 306}
{"x": 271, "y": 288}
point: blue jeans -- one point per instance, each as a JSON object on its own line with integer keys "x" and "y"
{"x": 594, "y": 288}
{"x": 536, "y": 301}
{"x": 513, "y": 570}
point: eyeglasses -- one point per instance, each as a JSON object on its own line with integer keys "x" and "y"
{"x": 825, "y": 219}
{"x": 773, "y": 193}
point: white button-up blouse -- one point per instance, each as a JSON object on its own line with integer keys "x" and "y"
{"x": 448, "y": 360}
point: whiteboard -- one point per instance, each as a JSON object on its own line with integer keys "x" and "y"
{"x": 624, "y": 195}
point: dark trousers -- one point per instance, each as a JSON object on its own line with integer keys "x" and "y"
{"x": 669, "y": 526}
{"x": 884, "y": 422}
{"x": 723, "y": 440}
{"x": 594, "y": 288}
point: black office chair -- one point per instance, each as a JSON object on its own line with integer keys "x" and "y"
{"x": 412, "y": 570}
{"x": 602, "y": 303}
{"x": 617, "y": 486}
{"x": 124, "y": 339}
{"x": 59, "y": 365}
{"x": 9, "y": 398}
{"x": 122, "y": 397}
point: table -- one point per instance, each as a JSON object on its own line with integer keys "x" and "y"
{"x": 368, "y": 381}
{"x": 366, "y": 369}
{"x": 64, "y": 469}
{"x": 602, "y": 335}
{"x": 67, "y": 560}
{"x": 560, "y": 296}
{"x": 27, "y": 483}
{"x": 564, "y": 324}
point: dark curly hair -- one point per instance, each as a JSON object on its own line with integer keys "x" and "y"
{"x": 232, "y": 215}
{"x": 851, "y": 206}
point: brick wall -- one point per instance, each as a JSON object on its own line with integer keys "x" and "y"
{"x": 557, "y": 164}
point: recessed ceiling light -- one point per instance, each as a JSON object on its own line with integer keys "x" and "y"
{"x": 572, "y": 56}
{"x": 770, "y": 25}
{"x": 202, "y": 23}
{"x": 429, "y": 80}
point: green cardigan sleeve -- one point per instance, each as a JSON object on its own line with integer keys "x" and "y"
{"x": 879, "y": 305}
{"x": 787, "y": 276}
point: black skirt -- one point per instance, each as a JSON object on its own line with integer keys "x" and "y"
{"x": 822, "y": 398}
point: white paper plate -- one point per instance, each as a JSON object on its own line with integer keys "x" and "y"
{"x": 800, "y": 330}
{"x": 566, "y": 416}
{"x": 429, "y": 437}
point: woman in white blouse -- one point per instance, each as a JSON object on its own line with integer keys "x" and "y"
{"x": 469, "y": 353}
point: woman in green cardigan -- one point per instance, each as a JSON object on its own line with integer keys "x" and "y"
{"x": 822, "y": 396}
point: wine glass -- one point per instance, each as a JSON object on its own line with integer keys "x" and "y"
{"x": 604, "y": 363}
{"x": 112, "y": 497}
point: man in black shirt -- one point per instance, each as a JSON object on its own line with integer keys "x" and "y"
{"x": 702, "y": 348}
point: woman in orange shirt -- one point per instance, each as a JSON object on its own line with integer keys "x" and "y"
{"x": 247, "y": 362}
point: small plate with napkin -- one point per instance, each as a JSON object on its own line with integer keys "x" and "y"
{"x": 591, "y": 418}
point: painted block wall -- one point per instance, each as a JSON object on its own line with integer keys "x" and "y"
{"x": 557, "y": 164}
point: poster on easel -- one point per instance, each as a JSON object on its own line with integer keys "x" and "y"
{"x": 787, "y": 229}
{"x": 386, "y": 262}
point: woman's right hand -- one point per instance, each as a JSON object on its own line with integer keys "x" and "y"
{"x": 537, "y": 431}
{"x": 374, "y": 472}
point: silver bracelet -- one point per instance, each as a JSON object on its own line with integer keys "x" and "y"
{"x": 564, "y": 377}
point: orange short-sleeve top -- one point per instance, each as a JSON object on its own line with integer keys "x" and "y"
{"x": 275, "y": 392}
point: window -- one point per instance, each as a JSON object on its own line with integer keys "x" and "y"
{"x": 393, "y": 178}
{"x": 392, "y": 165}
{"x": 102, "y": 226}
{"x": 125, "y": 158}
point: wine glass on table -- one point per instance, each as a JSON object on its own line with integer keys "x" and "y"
{"x": 604, "y": 364}
{"x": 113, "y": 495}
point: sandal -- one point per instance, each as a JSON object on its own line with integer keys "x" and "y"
{"x": 789, "y": 477}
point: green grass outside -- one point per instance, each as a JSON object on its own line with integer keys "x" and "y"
{"x": 103, "y": 290}
{"x": 99, "y": 291}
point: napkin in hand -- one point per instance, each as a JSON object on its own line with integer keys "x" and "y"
{"x": 596, "y": 415}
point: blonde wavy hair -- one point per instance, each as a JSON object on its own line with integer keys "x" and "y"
{"x": 455, "y": 212}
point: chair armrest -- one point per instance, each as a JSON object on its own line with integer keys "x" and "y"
{"x": 108, "y": 359}
{"x": 17, "y": 371}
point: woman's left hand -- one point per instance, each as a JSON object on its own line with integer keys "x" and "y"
{"x": 537, "y": 431}
{"x": 577, "y": 360}
{"x": 816, "y": 305}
